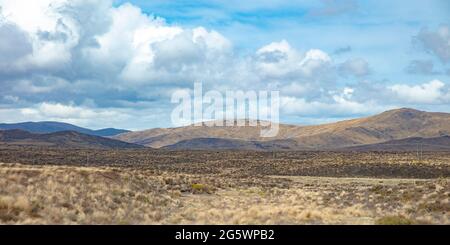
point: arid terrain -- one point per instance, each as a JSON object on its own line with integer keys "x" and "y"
{"x": 390, "y": 125}
{"x": 41, "y": 185}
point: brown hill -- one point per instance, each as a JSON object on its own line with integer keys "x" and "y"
{"x": 390, "y": 125}
{"x": 61, "y": 139}
{"x": 161, "y": 137}
{"x": 415, "y": 144}
{"x": 52, "y": 127}
{"x": 232, "y": 144}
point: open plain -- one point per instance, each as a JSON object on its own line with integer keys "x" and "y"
{"x": 42, "y": 185}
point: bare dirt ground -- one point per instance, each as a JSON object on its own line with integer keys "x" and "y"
{"x": 60, "y": 186}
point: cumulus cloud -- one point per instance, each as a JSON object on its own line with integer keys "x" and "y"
{"x": 357, "y": 67}
{"x": 89, "y": 57}
{"x": 279, "y": 66}
{"x": 339, "y": 105}
{"x": 183, "y": 56}
{"x": 115, "y": 46}
{"x": 436, "y": 42}
{"x": 93, "y": 63}
{"x": 429, "y": 93}
{"x": 56, "y": 30}
{"x": 69, "y": 113}
{"x": 280, "y": 60}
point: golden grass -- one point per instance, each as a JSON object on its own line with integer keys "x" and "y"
{"x": 113, "y": 195}
{"x": 394, "y": 220}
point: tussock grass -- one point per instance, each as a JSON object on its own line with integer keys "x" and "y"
{"x": 125, "y": 195}
{"x": 394, "y": 220}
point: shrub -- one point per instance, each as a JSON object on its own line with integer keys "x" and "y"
{"x": 200, "y": 188}
{"x": 10, "y": 208}
{"x": 394, "y": 220}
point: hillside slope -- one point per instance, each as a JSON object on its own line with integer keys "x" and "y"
{"x": 52, "y": 127}
{"x": 390, "y": 125}
{"x": 61, "y": 139}
{"x": 232, "y": 144}
{"x": 409, "y": 144}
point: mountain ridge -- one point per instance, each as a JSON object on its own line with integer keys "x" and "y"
{"x": 386, "y": 126}
{"x": 70, "y": 139}
{"x": 52, "y": 127}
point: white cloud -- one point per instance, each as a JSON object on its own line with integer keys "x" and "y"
{"x": 35, "y": 16}
{"x": 348, "y": 92}
{"x": 61, "y": 111}
{"x": 314, "y": 60}
{"x": 279, "y": 59}
{"x": 79, "y": 115}
{"x": 91, "y": 117}
{"x": 116, "y": 47}
{"x": 339, "y": 107}
{"x": 276, "y": 59}
{"x": 56, "y": 29}
{"x": 212, "y": 39}
{"x": 282, "y": 47}
{"x": 429, "y": 93}
{"x": 104, "y": 64}
{"x": 340, "y": 104}
{"x": 121, "y": 48}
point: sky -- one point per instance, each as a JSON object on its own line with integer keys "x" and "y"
{"x": 105, "y": 63}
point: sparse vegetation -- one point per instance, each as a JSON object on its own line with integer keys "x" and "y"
{"x": 55, "y": 186}
{"x": 200, "y": 188}
{"x": 394, "y": 220}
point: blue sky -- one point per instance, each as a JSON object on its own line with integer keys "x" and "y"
{"x": 115, "y": 63}
{"x": 377, "y": 30}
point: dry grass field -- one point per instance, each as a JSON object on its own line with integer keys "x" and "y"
{"x": 61, "y": 186}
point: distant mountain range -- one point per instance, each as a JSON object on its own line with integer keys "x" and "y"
{"x": 402, "y": 129}
{"x": 70, "y": 139}
{"x": 52, "y": 127}
{"x": 390, "y": 125}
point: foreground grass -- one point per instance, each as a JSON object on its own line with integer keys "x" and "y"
{"x": 113, "y": 195}
{"x": 394, "y": 220}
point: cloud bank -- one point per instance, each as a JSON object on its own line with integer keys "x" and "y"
{"x": 97, "y": 64}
